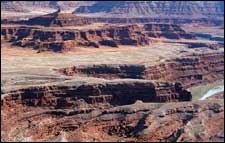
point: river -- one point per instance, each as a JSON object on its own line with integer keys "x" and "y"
{"x": 201, "y": 92}
{"x": 212, "y": 92}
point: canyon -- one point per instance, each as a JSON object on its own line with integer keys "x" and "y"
{"x": 112, "y": 71}
{"x": 116, "y": 102}
{"x": 189, "y": 70}
{"x": 65, "y": 39}
{"x": 115, "y": 93}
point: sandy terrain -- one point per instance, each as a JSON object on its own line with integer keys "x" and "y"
{"x": 21, "y": 66}
{"x": 213, "y": 30}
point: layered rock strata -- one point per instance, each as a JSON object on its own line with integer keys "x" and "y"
{"x": 65, "y": 40}
{"x": 88, "y": 20}
{"x": 155, "y": 9}
{"x": 58, "y": 19}
{"x": 189, "y": 70}
{"x": 214, "y": 22}
{"x": 114, "y": 93}
{"x": 139, "y": 122}
{"x": 169, "y": 31}
{"x": 126, "y": 9}
{"x": 126, "y": 12}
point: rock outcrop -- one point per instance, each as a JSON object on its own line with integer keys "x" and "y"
{"x": 64, "y": 40}
{"x": 158, "y": 20}
{"x": 190, "y": 70}
{"x": 121, "y": 92}
{"x": 176, "y": 12}
{"x": 154, "y": 9}
{"x": 54, "y": 40}
{"x": 169, "y": 31}
{"x": 30, "y": 6}
{"x": 107, "y": 71}
{"x": 138, "y": 122}
{"x": 58, "y": 19}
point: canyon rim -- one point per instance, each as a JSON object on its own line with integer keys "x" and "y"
{"x": 112, "y": 71}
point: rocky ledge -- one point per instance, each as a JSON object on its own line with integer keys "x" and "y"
{"x": 190, "y": 70}
{"x": 53, "y": 39}
{"x": 117, "y": 92}
{"x": 139, "y": 122}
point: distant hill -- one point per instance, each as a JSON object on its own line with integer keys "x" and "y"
{"x": 29, "y": 6}
{"x": 121, "y": 9}
{"x": 165, "y": 9}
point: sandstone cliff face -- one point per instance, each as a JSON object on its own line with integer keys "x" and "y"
{"x": 58, "y": 19}
{"x": 107, "y": 71}
{"x": 114, "y": 93}
{"x": 64, "y": 40}
{"x": 112, "y": 36}
{"x": 191, "y": 70}
{"x": 169, "y": 31}
{"x": 137, "y": 122}
{"x": 82, "y": 103}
